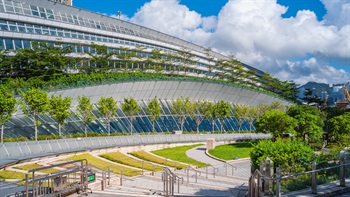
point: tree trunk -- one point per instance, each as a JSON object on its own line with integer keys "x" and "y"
{"x": 35, "y": 129}
{"x": 109, "y": 127}
{"x": 212, "y": 124}
{"x": 130, "y": 126}
{"x": 153, "y": 126}
{"x": 59, "y": 129}
{"x": 85, "y": 129}
{"x": 2, "y": 133}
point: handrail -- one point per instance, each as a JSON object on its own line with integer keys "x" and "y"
{"x": 233, "y": 168}
{"x": 169, "y": 179}
{"x": 188, "y": 173}
{"x": 300, "y": 173}
{"x": 215, "y": 170}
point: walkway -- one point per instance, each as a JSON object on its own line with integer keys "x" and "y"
{"x": 239, "y": 169}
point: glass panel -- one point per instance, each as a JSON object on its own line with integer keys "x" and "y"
{"x": 8, "y": 43}
{"x": 2, "y": 44}
{"x": 50, "y": 14}
{"x": 26, "y": 44}
{"x": 18, "y": 44}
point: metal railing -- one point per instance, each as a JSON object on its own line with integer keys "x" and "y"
{"x": 12, "y": 152}
{"x": 259, "y": 182}
{"x": 196, "y": 172}
{"x": 215, "y": 170}
{"x": 227, "y": 166}
{"x": 169, "y": 181}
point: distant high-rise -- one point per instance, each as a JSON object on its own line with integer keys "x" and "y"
{"x": 67, "y": 2}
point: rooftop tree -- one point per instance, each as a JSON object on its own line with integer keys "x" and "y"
{"x": 7, "y": 108}
{"x": 222, "y": 110}
{"x": 154, "y": 110}
{"x": 60, "y": 110}
{"x": 108, "y": 108}
{"x": 33, "y": 103}
{"x": 130, "y": 108}
{"x": 182, "y": 108}
{"x": 84, "y": 111}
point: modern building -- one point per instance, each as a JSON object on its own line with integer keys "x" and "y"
{"x": 24, "y": 21}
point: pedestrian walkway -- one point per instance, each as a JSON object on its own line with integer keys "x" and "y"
{"x": 239, "y": 169}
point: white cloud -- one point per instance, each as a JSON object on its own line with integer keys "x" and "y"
{"x": 338, "y": 12}
{"x": 258, "y": 35}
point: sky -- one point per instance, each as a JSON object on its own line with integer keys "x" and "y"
{"x": 299, "y": 40}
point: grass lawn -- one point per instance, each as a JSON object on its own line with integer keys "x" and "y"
{"x": 229, "y": 151}
{"x": 149, "y": 157}
{"x": 34, "y": 165}
{"x": 8, "y": 174}
{"x": 126, "y": 160}
{"x": 179, "y": 154}
{"x": 104, "y": 164}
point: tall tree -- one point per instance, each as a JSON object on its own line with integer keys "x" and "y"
{"x": 154, "y": 110}
{"x": 276, "y": 123}
{"x": 182, "y": 108}
{"x": 7, "y": 108}
{"x": 108, "y": 108}
{"x": 186, "y": 58}
{"x": 339, "y": 126}
{"x": 310, "y": 125}
{"x": 240, "y": 112}
{"x": 43, "y": 59}
{"x": 199, "y": 112}
{"x": 222, "y": 110}
{"x": 59, "y": 110}
{"x": 33, "y": 103}
{"x": 84, "y": 111}
{"x": 130, "y": 108}
{"x": 99, "y": 57}
{"x": 210, "y": 58}
{"x": 252, "y": 115}
{"x": 210, "y": 113}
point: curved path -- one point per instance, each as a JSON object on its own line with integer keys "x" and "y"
{"x": 241, "y": 170}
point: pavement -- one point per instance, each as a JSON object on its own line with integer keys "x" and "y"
{"x": 231, "y": 179}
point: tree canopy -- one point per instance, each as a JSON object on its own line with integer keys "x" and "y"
{"x": 84, "y": 110}
{"x": 7, "y": 108}
{"x": 154, "y": 110}
{"x": 108, "y": 108}
{"x": 130, "y": 108}
{"x": 33, "y": 103}
{"x": 60, "y": 109}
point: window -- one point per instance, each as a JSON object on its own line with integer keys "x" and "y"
{"x": 3, "y": 25}
{"x": 37, "y": 29}
{"x": 26, "y": 44}
{"x": 8, "y": 43}
{"x": 34, "y": 10}
{"x": 67, "y": 34}
{"x": 74, "y": 35}
{"x": 18, "y": 44}
{"x": 50, "y": 14}
{"x": 2, "y": 43}
{"x": 53, "y": 32}
{"x": 45, "y": 31}
{"x": 29, "y": 28}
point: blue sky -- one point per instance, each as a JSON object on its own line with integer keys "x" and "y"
{"x": 300, "y": 40}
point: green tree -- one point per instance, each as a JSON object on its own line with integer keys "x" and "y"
{"x": 275, "y": 122}
{"x": 84, "y": 111}
{"x": 222, "y": 111}
{"x": 7, "y": 108}
{"x": 108, "y": 108}
{"x": 210, "y": 113}
{"x": 33, "y": 103}
{"x": 182, "y": 108}
{"x": 43, "y": 59}
{"x": 240, "y": 112}
{"x": 59, "y": 110}
{"x": 99, "y": 57}
{"x": 291, "y": 156}
{"x": 199, "y": 112}
{"x": 210, "y": 58}
{"x": 130, "y": 108}
{"x": 339, "y": 126}
{"x": 251, "y": 116}
{"x": 154, "y": 110}
{"x": 309, "y": 122}
{"x": 186, "y": 58}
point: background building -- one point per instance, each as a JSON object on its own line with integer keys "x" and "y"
{"x": 23, "y": 22}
